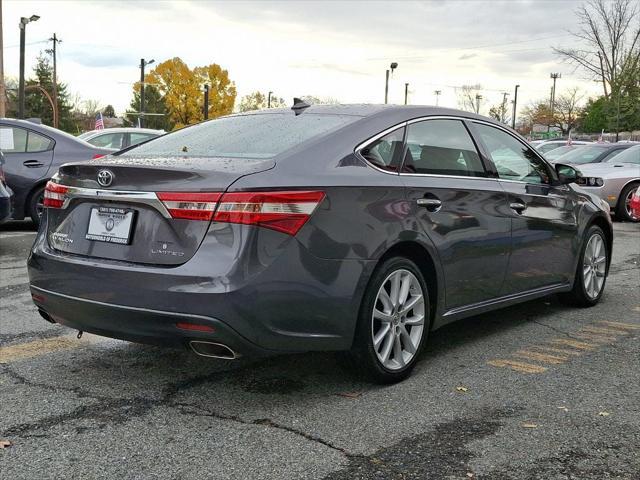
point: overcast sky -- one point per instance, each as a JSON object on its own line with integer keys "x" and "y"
{"x": 328, "y": 49}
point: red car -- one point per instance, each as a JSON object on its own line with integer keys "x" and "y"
{"x": 635, "y": 204}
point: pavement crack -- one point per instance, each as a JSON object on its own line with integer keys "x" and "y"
{"x": 192, "y": 409}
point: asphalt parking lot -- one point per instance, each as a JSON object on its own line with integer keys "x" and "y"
{"x": 537, "y": 391}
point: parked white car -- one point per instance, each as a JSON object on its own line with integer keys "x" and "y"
{"x": 119, "y": 138}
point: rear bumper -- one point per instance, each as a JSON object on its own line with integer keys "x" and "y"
{"x": 141, "y": 325}
{"x": 260, "y": 290}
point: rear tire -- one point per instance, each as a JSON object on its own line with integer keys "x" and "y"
{"x": 36, "y": 205}
{"x": 393, "y": 322}
{"x": 591, "y": 273}
{"x": 623, "y": 210}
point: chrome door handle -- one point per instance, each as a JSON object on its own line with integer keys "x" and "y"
{"x": 430, "y": 204}
{"x": 518, "y": 206}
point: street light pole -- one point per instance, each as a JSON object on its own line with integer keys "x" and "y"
{"x": 478, "y": 98}
{"x": 437, "y": 92}
{"x": 3, "y": 94}
{"x": 143, "y": 64}
{"x": 406, "y": 92}
{"x": 23, "y": 25}
{"x": 554, "y": 76}
{"x": 55, "y": 41}
{"x": 206, "y": 102}
{"x": 515, "y": 103}
{"x": 269, "y": 99}
{"x": 393, "y": 66}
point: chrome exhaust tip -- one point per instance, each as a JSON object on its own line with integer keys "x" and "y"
{"x": 212, "y": 350}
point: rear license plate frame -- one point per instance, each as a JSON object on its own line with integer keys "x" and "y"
{"x": 98, "y": 230}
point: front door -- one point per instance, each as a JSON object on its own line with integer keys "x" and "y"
{"x": 459, "y": 208}
{"x": 543, "y": 219}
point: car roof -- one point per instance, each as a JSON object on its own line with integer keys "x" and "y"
{"x": 124, "y": 130}
{"x": 44, "y": 129}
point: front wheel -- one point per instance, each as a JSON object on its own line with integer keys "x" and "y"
{"x": 393, "y": 323}
{"x": 591, "y": 274}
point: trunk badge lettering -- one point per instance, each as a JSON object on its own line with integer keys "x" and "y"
{"x": 105, "y": 178}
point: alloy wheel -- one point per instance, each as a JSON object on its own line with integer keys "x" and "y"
{"x": 594, "y": 266}
{"x": 627, "y": 205}
{"x": 397, "y": 322}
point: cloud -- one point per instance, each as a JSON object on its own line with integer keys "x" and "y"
{"x": 99, "y": 57}
{"x": 467, "y": 56}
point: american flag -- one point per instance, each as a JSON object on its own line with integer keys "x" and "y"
{"x": 99, "y": 122}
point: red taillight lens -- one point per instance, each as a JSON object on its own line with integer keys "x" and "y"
{"x": 54, "y": 195}
{"x": 284, "y": 212}
{"x": 98, "y": 155}
{"x": 190, "y": 206}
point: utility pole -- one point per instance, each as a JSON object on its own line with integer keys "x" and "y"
{"x": 554, "y": 77}
{"x": 143, "y": 64}
{"x": 269, "y": 99}
{"x": 515, "y": 103}
{"x": 55, "y": 41}
{"x": 406, "y": 92}
{"x": 3, "y": 93}
{"x": 503, "y": 110}
{"x": 206, "y": 102}
{"x": 393, "y": 66}
{"x": 437, "y": 92}
{"x": 23, "y": 26}
{"x": 478, "y": 98}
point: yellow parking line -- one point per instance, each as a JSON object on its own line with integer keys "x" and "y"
{"x": 35, "y": 348}
{"x": 541, "y": 357}
{"x": 518, "y": 366}
{"x": 606, "y": 331}
{"x": 573, "y": 343}
{"x": 557, "y": 350}
{"x": 599, "y": 338}
{"x": 620, "y": 325}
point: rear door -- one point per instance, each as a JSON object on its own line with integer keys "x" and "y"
{"x": 543, "y": 215}
{"x": 459, "y": 207}
{"x": 28, "y": 155}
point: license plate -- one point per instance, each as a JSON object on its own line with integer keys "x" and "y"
{"x": 112, "y": 225}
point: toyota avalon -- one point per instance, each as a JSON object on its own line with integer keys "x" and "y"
{"x": 359, "y": 228}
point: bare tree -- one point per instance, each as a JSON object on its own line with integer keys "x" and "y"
{"x": 568, "y": 108}
{"x": 610, "y": 32}
{"x": 468, "y": 97}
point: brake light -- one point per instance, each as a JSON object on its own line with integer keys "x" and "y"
{"x": 190, "y": 206}
{"x": 54, "y": 195}
{"x": 98, "y": 155}
{"x": 284, "y": 212}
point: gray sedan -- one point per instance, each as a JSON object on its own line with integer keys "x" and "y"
{"x": 615, "y": 181}
{"x": 359, "y": 228}
{"x": 32, "y": 155}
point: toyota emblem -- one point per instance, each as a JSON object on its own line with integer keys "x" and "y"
{"x": 105, "y": 178}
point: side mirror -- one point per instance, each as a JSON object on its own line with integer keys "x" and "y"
{"x": 566, "y": 173}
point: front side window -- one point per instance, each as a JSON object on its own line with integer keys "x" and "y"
{"x": 441, "y": 147}
{"x": 252, "y": 136}
{"x": 513, "y": 159}
{"x": 108, "y": 140}
{"x": 385, "y": 152}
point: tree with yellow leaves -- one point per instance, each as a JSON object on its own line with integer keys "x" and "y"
{"x": 182, "y": 91}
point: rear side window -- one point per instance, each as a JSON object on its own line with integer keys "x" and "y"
{"x": 243, "y": 136}
{"x": 441, "y": 147}
{"x": 386, "y": 152}
{"x": 136, "y": 138}
{"x": 20, "y": 140}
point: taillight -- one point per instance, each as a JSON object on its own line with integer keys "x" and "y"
{"x": 190, "y": 206}
{"x": 285, "y": 212}
{"x": 54, "y": 195}
{"x": 98, "y": 155}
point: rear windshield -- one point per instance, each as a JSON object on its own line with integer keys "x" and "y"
{"x": 243, "y": 136}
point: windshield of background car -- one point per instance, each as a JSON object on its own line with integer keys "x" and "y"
{"x": 243, "y": 136}
{"x": 630, "y": 155}
{"x": 557, "y": 152}
{"x": 582, "y": 155}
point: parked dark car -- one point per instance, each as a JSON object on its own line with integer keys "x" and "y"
{"x": 592, "y": 153}
{"x": 355, "y": 228}
{"x": 6, "y": 194}
{"x": 33, "y": 154}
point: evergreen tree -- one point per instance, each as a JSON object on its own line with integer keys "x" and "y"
{"x": 153, "y": 103}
